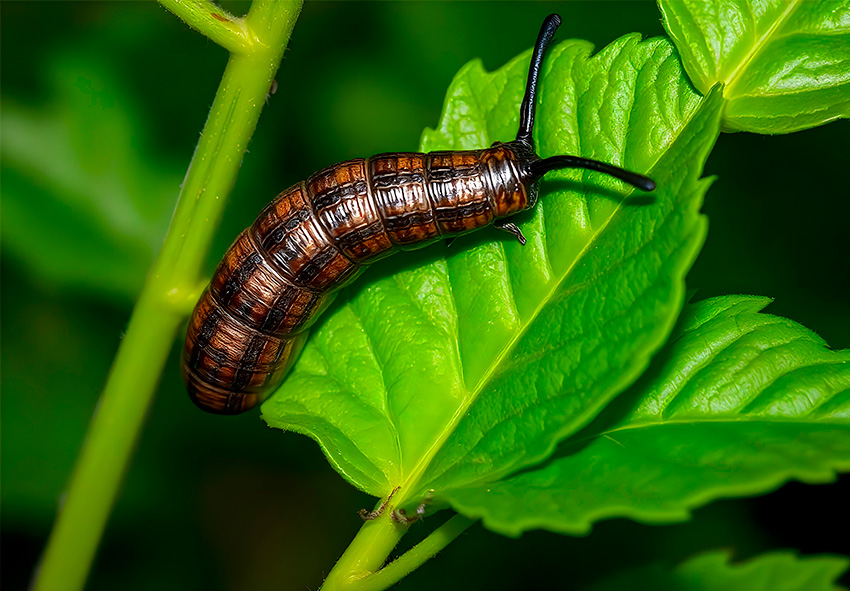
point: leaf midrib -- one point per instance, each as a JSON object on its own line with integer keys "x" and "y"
{"x": 408, "y": 485}
{"x": 760, "y": 44}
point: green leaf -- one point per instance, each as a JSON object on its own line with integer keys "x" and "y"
{"x": 773, "y": 571}
{"x": 102, "y": 207}
{"x": 784, "y": 64}
{"x": 456, "y": 366}
{"x": 737, "y": 403}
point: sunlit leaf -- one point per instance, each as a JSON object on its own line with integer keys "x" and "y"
{"x": 738, "y": 403}
{"x": 785, "y": 64}
{"x": 449, "y": 367}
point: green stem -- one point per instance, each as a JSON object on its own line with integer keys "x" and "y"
{"x": 359, "y": 568}
{"x": 214, "y": 22}
{"x": 172, "y": 282}
{"x": 416, "y": 556}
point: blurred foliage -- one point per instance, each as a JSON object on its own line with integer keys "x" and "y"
{"x": 101, "y": 210}
{"x": 774, "y": 571}
{"x": 102, "y": 104}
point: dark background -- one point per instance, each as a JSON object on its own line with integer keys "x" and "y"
{"x": 102, "y": 107}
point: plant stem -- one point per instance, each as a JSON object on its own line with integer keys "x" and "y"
{"x": 173, "y": 279}
{"x": 359, "y": 568}
{"x": 214, "y": 22}
{"x": 367, "y": 552}
{"x": 416, "y": 556}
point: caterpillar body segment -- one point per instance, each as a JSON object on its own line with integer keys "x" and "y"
{"x": 318, "y": 235}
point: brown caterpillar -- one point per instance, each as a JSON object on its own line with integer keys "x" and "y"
{"x": 316, "y": 236}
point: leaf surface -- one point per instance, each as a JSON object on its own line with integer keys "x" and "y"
{"x": 737, "y": 403}
{"x": 784, "y": 64}
{"x": 772, "y": 571}
{"x": 455, "y": 366}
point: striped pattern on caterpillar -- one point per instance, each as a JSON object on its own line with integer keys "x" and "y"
{"x": 317, "y": 236}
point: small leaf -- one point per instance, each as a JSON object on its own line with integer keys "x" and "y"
{"x": 456, "y": 366}
{"x": 102, "y": 208}
{"x": 773, "y": 571}
{"x": 738, "y": 403}
{"x": 784, "y": 64}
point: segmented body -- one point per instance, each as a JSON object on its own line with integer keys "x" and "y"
{"x": 315, "y": 237}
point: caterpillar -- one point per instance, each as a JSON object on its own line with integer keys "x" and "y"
{"x": 318, "y": 235}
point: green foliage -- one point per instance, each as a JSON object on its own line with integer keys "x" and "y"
{"x": 736, "y": 404}
{"x": 447, "y": 375}
{"x": 784, "y": 64}
{"x": 774, "y": 571}
{"x": 102, "y": 210}
{"x": 468, "y": 367}
{"x": 70, "y": 342}
{"x": 86, "y": 199}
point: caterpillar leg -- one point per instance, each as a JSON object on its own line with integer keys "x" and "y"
{"x": 511, "y": 228}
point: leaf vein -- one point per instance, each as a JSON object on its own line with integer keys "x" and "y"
{"x": 760, "y": 44}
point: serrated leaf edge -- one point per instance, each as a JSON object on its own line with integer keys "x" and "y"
{"x": 410, "y": 482}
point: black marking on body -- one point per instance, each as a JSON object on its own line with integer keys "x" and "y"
{"x": 357, "y": 236}
{"x": 458, "y": 213}
{"x": 233, "y": 401}
{"x": 238, "y": 278}
{"x": 244, "y": 311}
{"x": 313, "y": 267}
{"x": 293, "y": 221}
{"x": 204, "y": 336}
{"x": 248, "y": 363}
{"x": 389, "y": 180}
{"x": 280, "y": 233}
{"x": 447, "y": 174}
{"x": 337, "y": 194}
{"x": 279, "y": 309}
{"x": 406, "y": 221}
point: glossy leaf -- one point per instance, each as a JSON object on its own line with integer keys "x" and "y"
{"x": 714, "y": 571}
{"x": 738, "y": 403}
{"x": 785, "y": 64}
{"x": 102, "y": 209}
{"x": 457, "y": 366}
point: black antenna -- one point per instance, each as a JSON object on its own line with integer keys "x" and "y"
{"x": 536, "y": 168}
{"x": 526, "y": 112}
{"x": 541, "y": 167}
